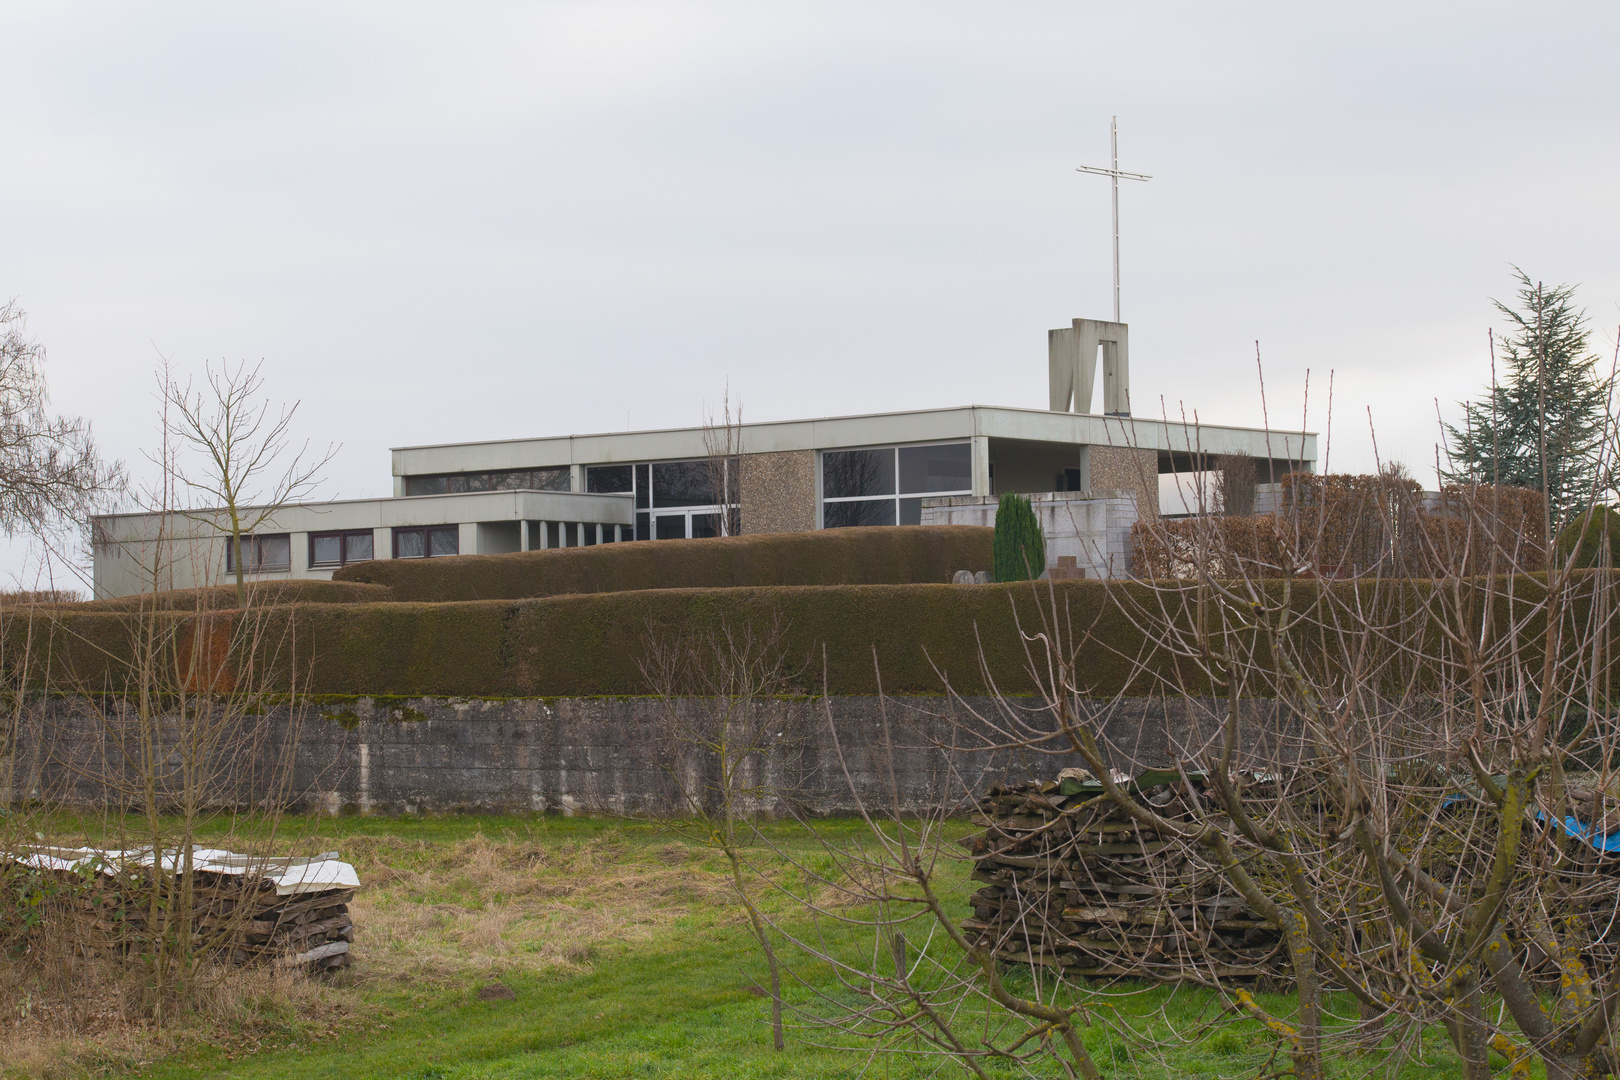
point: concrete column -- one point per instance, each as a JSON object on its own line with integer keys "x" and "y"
{"x": 981, "y": 465}
{"x": 576, "y": 478}
{"x": 1085, "y": 468}
{"x": 467, "y": 543}
{"x": 382, "y": 543}
{"x": 523, "y": 535}
{"x": 298, "y": 558}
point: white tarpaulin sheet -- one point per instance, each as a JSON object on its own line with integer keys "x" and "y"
{"x": 291, "y": 875}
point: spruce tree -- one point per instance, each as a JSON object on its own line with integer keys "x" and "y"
{"x": 1542, "y": 425}
{"x": 1019, "y": 549}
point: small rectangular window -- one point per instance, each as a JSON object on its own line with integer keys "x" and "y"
{"x": 911, "y": 511}
{"x": 643, "y": 526}
{"x": 326, "y": 550}
{"x": 705, "y": 525}
{"x": 445, "y": 540}
{"x": 268, "y": 553}
{"x": 339, "y": 548}
{"x": 671, "y": 527}
{"x": 847, "y": 473}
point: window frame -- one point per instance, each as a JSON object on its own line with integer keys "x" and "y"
{"x": 254, "y": 542}
{"x": 343, "y": 538}
{"x": 427, "y": 540}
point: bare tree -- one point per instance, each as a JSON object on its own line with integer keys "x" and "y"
{"x": 728, "y": 754}
{"x": 1413, "y": 782}
{"x": 51, "y": 474}
{"x": 722, "y": 449}
{"x": 243, "y": 446}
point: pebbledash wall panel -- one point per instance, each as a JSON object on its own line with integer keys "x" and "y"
{"x": 599, "y": 754}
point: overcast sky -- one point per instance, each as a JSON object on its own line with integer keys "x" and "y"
{"x": 437, "y": 223}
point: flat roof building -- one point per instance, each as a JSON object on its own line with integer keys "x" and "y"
{"x": 774, "y": 476}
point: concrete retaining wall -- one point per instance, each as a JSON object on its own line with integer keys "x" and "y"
{"x": 600, "y": 754}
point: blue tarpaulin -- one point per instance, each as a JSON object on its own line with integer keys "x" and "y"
{"x": 1582, "y": 831}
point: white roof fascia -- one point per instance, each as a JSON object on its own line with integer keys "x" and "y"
{"x": 405, "y": 511}
{"x": 923, "y": 425}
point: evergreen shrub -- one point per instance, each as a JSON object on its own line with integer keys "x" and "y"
{"x": 1020, "y": 549}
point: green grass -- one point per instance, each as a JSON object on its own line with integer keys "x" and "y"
{"x": 672, "y": 1001}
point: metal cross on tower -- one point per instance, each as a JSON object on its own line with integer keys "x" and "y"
{"x": 1114, "y": 174}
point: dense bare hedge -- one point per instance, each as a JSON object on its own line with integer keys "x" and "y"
{"x": 589, "y": 644}
{"x": 1349, "y": 525}
{"x": 863, "y": 556}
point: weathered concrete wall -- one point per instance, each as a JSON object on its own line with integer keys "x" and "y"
{"x": 606, "y": 754}
{"x": 778, "y": 492}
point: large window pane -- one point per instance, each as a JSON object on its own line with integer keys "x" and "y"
{"x": 409, "y": 544}
{"x": 705, "y": 525}
{"x": 357, "y": 547}
{"x": 609, "y": 479}
{"x": 326, "y": 550}
{"x": 671, "y": 526}
{"x": 857, "y": 472}
{"x": 936, "y": 468}
{"x": 841, "y": 515}
{"x": 682, "y": 483}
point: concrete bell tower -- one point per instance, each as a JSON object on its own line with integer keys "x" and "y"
{"x": 1072, "y": 354}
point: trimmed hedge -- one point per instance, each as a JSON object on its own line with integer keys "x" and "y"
{"x": 260, "y": 593}
{"x": 1582, "y": 540}
{"x": 878, "y": 555}
{"x": 588, "y": 645}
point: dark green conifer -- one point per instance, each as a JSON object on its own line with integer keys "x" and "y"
{"x": 1020, "y": 549}
{"x": 1543, "y": 424}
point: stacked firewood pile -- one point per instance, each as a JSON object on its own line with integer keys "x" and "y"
{"x": 1071, "y": 882}
{"x": 292, "y": 913}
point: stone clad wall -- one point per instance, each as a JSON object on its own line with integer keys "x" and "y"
{"x": 778, "y": 492}
{"x": 601, "y": 754}
{"x": 1124, "y": 468}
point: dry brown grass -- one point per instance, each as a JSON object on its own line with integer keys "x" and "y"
{"x": 446, "y": 913}
{"x": 483, "y": 906}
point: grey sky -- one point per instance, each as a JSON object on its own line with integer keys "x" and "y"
{"x": 450, "y": 222}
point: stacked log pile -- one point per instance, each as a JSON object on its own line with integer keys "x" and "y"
{"x": 239, "y": 917}
{"x": 1071, "y": 882}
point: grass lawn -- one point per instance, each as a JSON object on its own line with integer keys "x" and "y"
{"x": 627, "y": 958}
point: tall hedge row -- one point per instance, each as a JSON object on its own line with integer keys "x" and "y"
{"x": 860, "y": 556}
{"x": 580, "y": 645}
